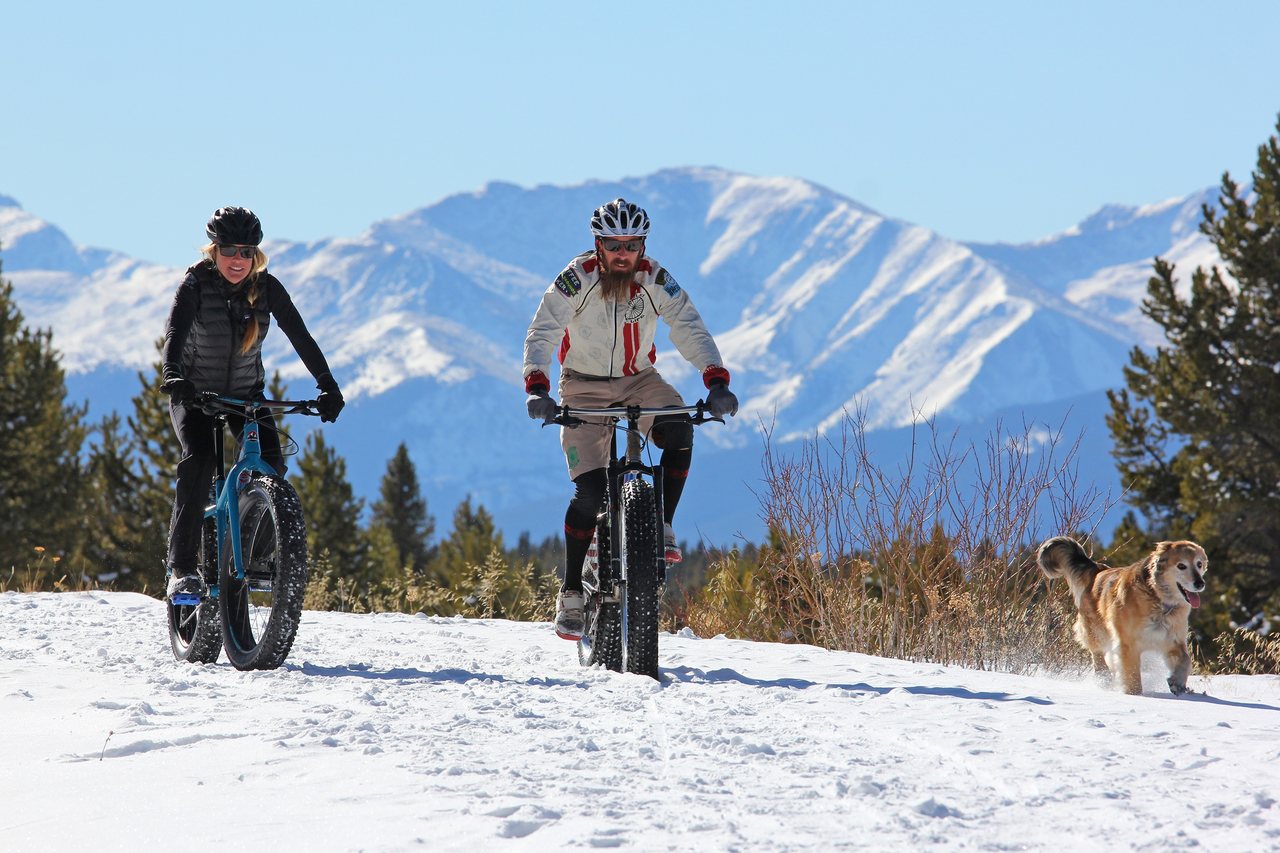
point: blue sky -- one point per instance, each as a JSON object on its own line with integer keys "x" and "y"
{"x": 127, "y": 124}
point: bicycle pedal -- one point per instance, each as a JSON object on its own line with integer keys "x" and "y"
{"x": 186, "y": 599}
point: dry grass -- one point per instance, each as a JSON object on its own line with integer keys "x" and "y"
{"x": 45, "y": 574}
{"x": 494, "y": 589}
{"x": 1246, "y": 652}
{"x": 932, "y": 560}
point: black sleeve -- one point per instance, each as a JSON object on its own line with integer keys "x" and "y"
{"x": 181, "y": 315}
{"x": 290, "y": 322}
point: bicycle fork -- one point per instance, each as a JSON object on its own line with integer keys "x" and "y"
{"x": 225, "y": 508}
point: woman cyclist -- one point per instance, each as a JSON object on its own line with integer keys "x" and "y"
{"x": 213, "y": 342}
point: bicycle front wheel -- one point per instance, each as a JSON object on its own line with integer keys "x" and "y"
{"x": 640, "y": 596}
{"x": 260, "y": 612}
{"x": 601, "y": 641}
{"x": 195, "y": 634}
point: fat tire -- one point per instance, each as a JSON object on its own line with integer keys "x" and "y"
{"x": 195, "y": 631}
{"x": 260, "y": 613}
{"x": 601, "y": 641}
{"x": 641, "y": 594}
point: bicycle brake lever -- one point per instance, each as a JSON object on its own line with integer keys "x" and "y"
{"x": 702, "y": 415}
{"x": 202, "y": 401}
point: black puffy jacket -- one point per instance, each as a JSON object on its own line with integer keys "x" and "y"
{"x": 206, "y": 326}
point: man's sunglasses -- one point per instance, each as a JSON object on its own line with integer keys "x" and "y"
{"x": 618, "y": 245}
{"x": 242, "y": 251}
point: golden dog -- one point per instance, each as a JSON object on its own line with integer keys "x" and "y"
{"x": 1123, "y": 612}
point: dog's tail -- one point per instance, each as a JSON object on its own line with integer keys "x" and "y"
{"x": 1061, "y": 557}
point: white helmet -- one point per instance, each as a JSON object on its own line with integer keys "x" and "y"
{"x": 619, "y": 218}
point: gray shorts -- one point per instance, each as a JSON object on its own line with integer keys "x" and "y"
{"x": 586, "y": 447}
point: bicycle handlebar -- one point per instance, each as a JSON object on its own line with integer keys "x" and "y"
{"x": 211, "y": 402}
{"x": 569, "y": 416}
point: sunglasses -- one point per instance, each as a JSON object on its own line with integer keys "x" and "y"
{"x": 619, "y": 245}
{"x": 242, "y": 251}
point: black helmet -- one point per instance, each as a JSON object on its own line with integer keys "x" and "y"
{"x": 238, "y": 225}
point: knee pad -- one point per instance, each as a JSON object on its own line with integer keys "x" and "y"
{"x": 673, "y": 434}
{"x": 589, "y": 495}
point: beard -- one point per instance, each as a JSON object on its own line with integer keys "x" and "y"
{"x": 615, "y": 283}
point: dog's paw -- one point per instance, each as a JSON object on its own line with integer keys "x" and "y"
{"x": 1178, "y": 689}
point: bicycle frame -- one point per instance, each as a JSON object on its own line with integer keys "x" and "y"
{"x": 225, "y": 509}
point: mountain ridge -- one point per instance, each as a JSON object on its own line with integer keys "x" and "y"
{"x": 820, "y": 305}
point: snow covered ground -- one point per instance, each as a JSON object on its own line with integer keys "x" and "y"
{"x": 395, "y": 732}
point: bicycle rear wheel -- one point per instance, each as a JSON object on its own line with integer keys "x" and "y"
{"x": 195, "y": 634}
{"x": 601, "y": 641}
{"x": 260, "y": 612}
{"x": 640, "y": 596}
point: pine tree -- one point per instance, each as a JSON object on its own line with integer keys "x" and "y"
{"x": 40, "y": 441}
{"x": 473, "y": 537}
{"x": 114, "y": 516}
{"x": 331, "y": 510}
{"x": 402, "y": 511}
{"x": 1197, "y": 429}
{"x": 130, "y": 475}
{"x": 278, "y": 390}
{"x": 157, "y": 451}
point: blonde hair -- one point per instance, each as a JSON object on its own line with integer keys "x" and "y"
{"x": 210, "y": 251}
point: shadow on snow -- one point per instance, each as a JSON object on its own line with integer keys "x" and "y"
{"x": 694, "y": 675}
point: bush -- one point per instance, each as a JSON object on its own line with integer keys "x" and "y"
{"x": 498, "y": 588}
{"x": 1246, "y": 652}
{"x": 908, "y": 563}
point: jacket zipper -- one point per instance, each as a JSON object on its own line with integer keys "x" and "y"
{"x": 231, "y": 352}
{"x": 614, "y": 349}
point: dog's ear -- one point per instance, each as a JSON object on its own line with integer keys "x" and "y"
{"x": 1155, "y": 561}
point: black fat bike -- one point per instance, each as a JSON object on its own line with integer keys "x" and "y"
{"x": 622, "y": 587}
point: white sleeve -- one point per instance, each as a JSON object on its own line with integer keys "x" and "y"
{"x": 546, "y": 330}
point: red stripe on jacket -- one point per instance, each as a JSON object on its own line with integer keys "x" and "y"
{"x": 631, "y": 340}
{"x": 630, "y": 332}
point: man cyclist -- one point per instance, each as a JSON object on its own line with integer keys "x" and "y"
{"x": 599, "y": 316}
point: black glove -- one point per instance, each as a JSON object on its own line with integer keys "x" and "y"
{"x": 330, "y": 401}
{"x": 541, "y": 406}
{"x": 721, "y": 401}
{"x": 180, "y": 390}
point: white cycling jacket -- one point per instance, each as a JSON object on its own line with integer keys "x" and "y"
{"x": 614, "y": 338}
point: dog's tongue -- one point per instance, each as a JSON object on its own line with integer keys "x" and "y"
{"x": 1192, "y": 597}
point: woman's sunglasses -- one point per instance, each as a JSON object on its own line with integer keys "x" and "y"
{"x": 242, "y": 251}
{"x": 618, "y": 245}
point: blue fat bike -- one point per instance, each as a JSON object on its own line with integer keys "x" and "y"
{"x": 252, "y": 553}
{"x": 622, "y": 587}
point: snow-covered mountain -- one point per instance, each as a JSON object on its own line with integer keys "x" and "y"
{"x": 819, "y": 305}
